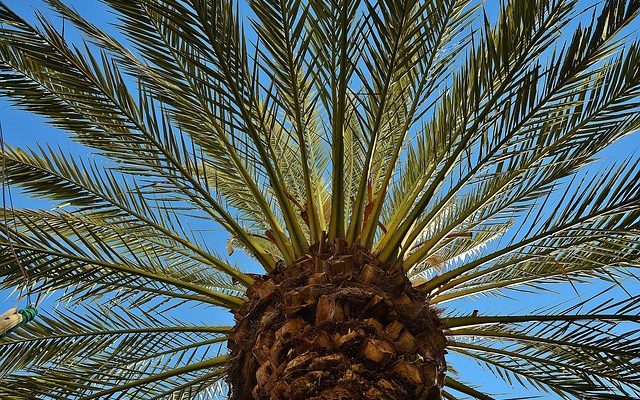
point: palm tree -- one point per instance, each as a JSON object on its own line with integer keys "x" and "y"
{"x": 383, "y": 161}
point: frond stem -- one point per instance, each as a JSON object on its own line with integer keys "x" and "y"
{"x": 207, "y": 364}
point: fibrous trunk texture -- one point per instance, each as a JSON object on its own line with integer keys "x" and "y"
{"x": 337, "y": 324}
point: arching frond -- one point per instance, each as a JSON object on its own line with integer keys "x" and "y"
{"x": 68, "y": 348}
{"x": 583, "y": 211}
{"x": 86, "y": 260}
{"x": 582, "y": 351}
{"x": 456, "y": 141}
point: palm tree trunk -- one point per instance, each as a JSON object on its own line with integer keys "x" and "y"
{"x": 337, "y": 324}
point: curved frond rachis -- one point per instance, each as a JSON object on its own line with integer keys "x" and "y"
{"x": 376, "y": 158}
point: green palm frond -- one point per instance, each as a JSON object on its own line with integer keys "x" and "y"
{"x": 124, "y": 347}
{"x": 97, "y": 88}
{"x": 226, "y": 168}
{"x": 460, "y": 142}
{"x": 519, "y": 42}
{"x": 105, "y": 197}
{"x": 586, "y": 211}
{"x": 422, "y": 68}
{"x": 69, "y": 253}
{"x": 520, "y": 177}
{"x": 589, "y": 353}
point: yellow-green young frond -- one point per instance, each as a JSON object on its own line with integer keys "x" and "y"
{"x": 479, "y": 91}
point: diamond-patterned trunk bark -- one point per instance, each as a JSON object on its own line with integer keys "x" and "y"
{"x": 336, "y": 325}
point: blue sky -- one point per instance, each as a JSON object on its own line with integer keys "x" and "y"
{"x": 21, "y": 128}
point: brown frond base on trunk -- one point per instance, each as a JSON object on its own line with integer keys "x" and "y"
{"x": 336, "y": 325}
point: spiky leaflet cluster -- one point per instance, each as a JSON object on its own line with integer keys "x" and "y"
{"x": 431, "y": 134}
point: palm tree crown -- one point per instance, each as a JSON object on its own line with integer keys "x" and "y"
{"x": 432, "y": 136}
